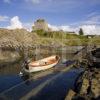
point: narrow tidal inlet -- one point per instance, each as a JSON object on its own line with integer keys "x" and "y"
{"x": 15, "y": 68}
{"x": 52, "y": 84}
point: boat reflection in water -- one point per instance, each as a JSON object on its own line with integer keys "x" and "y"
{"x": 25, "y": 78}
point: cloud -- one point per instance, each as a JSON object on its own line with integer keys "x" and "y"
{"x": 33, "y": 1}
{"x": 4, "y": 18}
{"x": 93, "y": 18}
{"x": 53, "y": 27}
{"x": 7, "y": 1}
{"x": 91, "y": 29}
{"x": 51, "y": 5}
{"x": 87, "y": 29}
{"x": 67, "y": 28}
{"x": 62, "y": 27}
{"x": 28, "y": 26}
{"x": 91, "y": 14}
{"x": 90, "y": 26}
{"x": 15, "y": 23}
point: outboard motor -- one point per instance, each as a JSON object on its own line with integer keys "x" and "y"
{"x": 26, "y": 64}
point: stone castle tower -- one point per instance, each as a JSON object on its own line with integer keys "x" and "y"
{"x": 40, "y": 24}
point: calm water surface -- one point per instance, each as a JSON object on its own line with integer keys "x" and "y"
{"x": 52, "y": 84}
{"x": 15, "y": 68}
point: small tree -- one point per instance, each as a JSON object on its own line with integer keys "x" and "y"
{"x": 81, "y": 31}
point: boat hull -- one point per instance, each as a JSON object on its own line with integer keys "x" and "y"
{"x": 36, "y": 69}
{"x": 37, "y": 66}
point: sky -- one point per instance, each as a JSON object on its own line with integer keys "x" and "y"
{"x": 68, "y": 15}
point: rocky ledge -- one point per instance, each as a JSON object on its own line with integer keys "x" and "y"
{"x": 9, "y": 57}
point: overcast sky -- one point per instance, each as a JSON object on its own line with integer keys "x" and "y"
{"x": 68, "y": 15}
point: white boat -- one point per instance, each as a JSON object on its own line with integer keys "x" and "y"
{"x": 42, "y": 64}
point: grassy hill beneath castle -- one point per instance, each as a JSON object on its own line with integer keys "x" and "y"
{"x": 67, "y": 39}
{"x": 22, "y": 38}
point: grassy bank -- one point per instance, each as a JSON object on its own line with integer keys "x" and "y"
{"x": 66, "y": 39}
{"x": 21, "y": 38}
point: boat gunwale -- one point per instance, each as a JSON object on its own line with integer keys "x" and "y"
{"x": 47, "y": 62}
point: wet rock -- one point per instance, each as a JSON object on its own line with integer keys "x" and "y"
{"x": 95, "y": 87}
{"x": 91, "y": 84}
{"x": 70, "y": 95}
{"x": 85, "y": 86}
{"x": 80, "y": 97}
{"x": 9, "y": 56}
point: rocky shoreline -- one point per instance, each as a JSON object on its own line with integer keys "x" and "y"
{"x": 90, "y": 89}
{"x": 9, "y": 56}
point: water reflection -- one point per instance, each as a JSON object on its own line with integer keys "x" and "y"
{"x": 15, "y": 86}
{"x": 10, "y": 69}
{"x": 15, "y": 68}
{"x": 26, "y": 78}
{"x": 54, "y": 89}
{"x": 39, "y": 84}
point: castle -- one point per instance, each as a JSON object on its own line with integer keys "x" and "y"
{"x": 40, "y": 24}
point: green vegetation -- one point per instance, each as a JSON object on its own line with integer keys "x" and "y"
{"x": 65, "y": 38}
{"x": 40, "y": 20}
{"x": 61, "y": 38}
{"x": 53, "y": 34}
{"x": 23, "y": 38}
{"x": 81, "y": 31}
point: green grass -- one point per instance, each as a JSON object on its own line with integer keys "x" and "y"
{"x": 23, "y": 38}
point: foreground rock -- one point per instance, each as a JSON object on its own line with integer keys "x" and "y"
{"x": 70, "y": 95}
{"x": 96, "y": 84}
{"x": 90, "y": 89}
